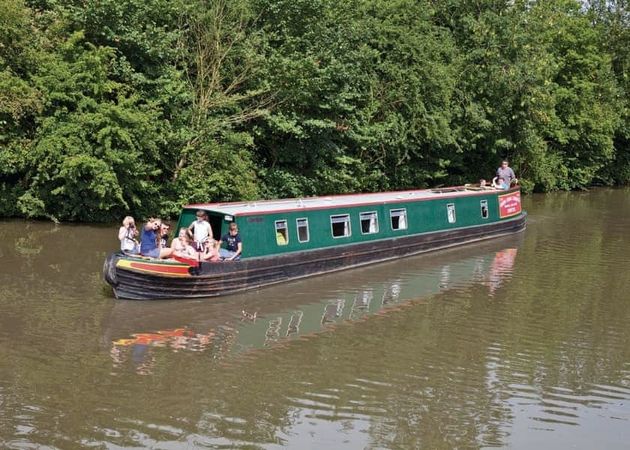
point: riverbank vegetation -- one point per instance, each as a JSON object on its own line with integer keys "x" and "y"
{"x": 116, "y": 106}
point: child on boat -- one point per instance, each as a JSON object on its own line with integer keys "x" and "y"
{"x": 234, "y": 244}
{"x": 202, "y": 235}
{"x": 181, "y": 245}
{"x": 499, "y": 183}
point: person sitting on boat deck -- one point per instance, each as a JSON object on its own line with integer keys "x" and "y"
{"x": 482, "y": 183}
{"x": 233, "y": 243}
{"x": 164, "y": 230}
{"x": 202, "y": 234}
{"x": 181, "y": 245}
{"x": 150, "y": 242}
{"x": 506, "y": 172}
{"x": 127, "y": 236}
{"x": 499, "y": 183}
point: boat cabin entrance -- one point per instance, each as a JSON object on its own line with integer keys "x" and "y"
{"x": 214, "y": 218}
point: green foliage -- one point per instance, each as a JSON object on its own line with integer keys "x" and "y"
{"x": 112, "y": 107}
{"x": 95, "y": 146}
{"x": 365, "y": 91}
{"x": 218, "y": 171}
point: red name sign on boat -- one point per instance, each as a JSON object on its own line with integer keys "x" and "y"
{"x": 509, "y": 204}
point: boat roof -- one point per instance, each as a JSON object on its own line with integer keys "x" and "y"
{"x": 335, "y": 201}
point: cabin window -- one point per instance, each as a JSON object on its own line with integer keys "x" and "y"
{"x": 483, "y": 204}
{"x": 302, "y": 229}
{"x": 282, "y": 233}
{"x": 369, "y": 222}
{"x": 450, "y": 212}
{"x": 398, "y": 218}
{"x": 340, "y": 225}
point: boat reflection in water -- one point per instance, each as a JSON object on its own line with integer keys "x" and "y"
{"x": 251, "y": 321}
{"x": 139, "y": 348}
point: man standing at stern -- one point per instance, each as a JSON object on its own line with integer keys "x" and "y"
{"x": 506, "y": 173}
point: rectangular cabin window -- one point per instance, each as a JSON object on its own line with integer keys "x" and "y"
{"x": 282, "y": 232}
{"x": 398, "y": 218}
{"x": 302, "y": 229}
{"x": 340, "y": 225}
{"x": 450, "y": 212}
{"x": 483, "y": 204}
{"x": 369, "y": 222}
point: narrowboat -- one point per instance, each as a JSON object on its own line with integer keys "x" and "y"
{"x": 295, "y": 238}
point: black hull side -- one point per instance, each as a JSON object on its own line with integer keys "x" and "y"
{"x": 227, "y": 278}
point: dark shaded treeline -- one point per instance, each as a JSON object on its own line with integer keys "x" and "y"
{"x": 110, "y": 106}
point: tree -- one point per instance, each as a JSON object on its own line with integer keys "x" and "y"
{"x": 364, "y": 97}
{"x": 95, "y": 148}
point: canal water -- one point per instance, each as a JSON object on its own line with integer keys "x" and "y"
{"x": 520, "y": 342}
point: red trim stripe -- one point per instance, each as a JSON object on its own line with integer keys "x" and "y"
{"x": 159, "y": 268}
{"x": 189, "y": 261}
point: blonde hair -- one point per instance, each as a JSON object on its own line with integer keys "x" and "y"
{"x": 187, "y": 235}
{"x": 127, "y": 220}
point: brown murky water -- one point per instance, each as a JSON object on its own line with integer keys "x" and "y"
{"x": 521, "y": 342}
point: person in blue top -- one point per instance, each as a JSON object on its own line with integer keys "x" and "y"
{"x": 499, "y": 183}
{"x": 233, "y": 244}
{"x": 150, "y": 241}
